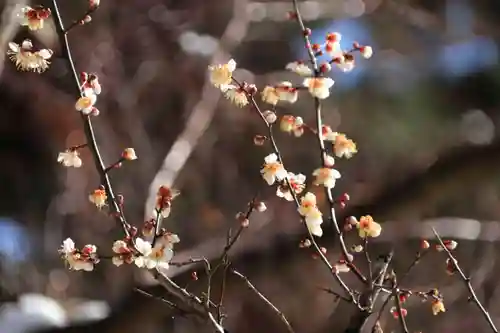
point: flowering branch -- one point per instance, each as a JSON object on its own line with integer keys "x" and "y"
{"x": 456, "y": 268}
{"x": 87, "y": 123}
{"x": 153, "y": 250}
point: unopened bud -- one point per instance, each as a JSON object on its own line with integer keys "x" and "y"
{"x": 424, "y": 244}
{"x": 260, "y": 206}
{"x": 259, "y": 140}
{"x": 270, "y": 116}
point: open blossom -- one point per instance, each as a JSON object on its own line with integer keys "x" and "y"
{"x": 33, "y": 18}
{"x": 152, "y": 257}
{"x": 98, "y": 197}
{"x": 77, "y": 260}
{"x": 299, "y": 68}
{"x": 70, "y": 158}
{"x": 367, "y": 227}
{"x": 236, "y": 95}
{"x": 345, "y": 62}
{"x": 123, "y": 254}
{"x": 164, "y": 198}
{"x": 319, "y": 87}
{"x": 326, "y": 177}
{"x": 85, "y": 104}
{"x": 287, "y": 92}
{"x": 26, "y": 59}
{"x": 344, "y": 146}
{"x": 270, "y": 95}
{"x": 222, "y": 75}
{"x": 291, "y": 124}
{"x": 437, "y": 307}
{"x": 272, "y": 170}
{"x": 129, "y": 154}
{"x": 333, "y": 49}
{"x": 312, "y": 215}
{"x": 297, "y": 185}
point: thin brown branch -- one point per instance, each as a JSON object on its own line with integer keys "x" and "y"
{"x": 467, "y": 282}
{"x": 321, "y": 144}
{"x": 264, "y": 298}
{"x": 197, "y": 305}
{"x": 399, "y": 308}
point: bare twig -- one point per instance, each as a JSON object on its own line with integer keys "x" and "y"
{"x": 467, "y": 282}
{"x": 264, "y": 298}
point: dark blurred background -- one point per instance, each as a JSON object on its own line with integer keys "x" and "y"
{"x": 424, "y": 112}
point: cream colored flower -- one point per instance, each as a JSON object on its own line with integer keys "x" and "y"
{"x": 123, "y": 253}
{"x": 33, "y": 18}
{"x": 297, "y": 185}
{"x": 437, "y": 307}
{"x": 287, "y": 92}
{"x": 299, "y": 68}
{"x": 270, "y": 95}
{"x": 326, "y": 177}
{"x": 222, "y": 75}
{"x": 319, "y": 87}
{"x": 98, "y": 197}
{"x": 333, "y": 49}
{"x": 345, "y": 62}
{"x": 343, "y": 146}
{"x": 129, "y": 154}
{"x": 367, "y": 227}
{"x": 273, "y": 170}
{"x": 85, "y": 104}
{"x": 236, "y": 95}
{"x": 78, "y": 260}
{"x": 70, "y": 158}
{"x": 312, "y": 215}
{"x": 27, "y": 60}
{"x": 159, "y": 256}
{"x": 291, "y": 124}
{"x": 366, "y": 52}
{"x": 327, "y": 133}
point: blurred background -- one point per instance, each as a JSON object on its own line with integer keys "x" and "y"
{"x": 424, "y": 112}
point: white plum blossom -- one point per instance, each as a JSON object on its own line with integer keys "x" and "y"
{"x": 319, "y": 87}
{"x": 286, "y": 92}
{"x": 344, "y": 147}
{"x": 152, "y": 257}
{"x": 33, "y": 18}
{"x": 26, "y": 59}
{"x": 85, "y": 104}
{"x": 70, "y": 158}
{"x": 311, "y": 213}
{"x": 123, "y": 253}
{"x": 297, "y": 184}
{"x": 273, "y": 170}
{"x": 326, "y": 177}
{"x": 299, "y": 68}
{"x": 78, "y": 259}
{"x": 222, "y": 75}
{"x": 236, "y": 95}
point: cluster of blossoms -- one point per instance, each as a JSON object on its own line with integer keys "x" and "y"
{"x": 153, "y": 249}
{"x": 433, "y": 296}
{"x": 23, "y": 54}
